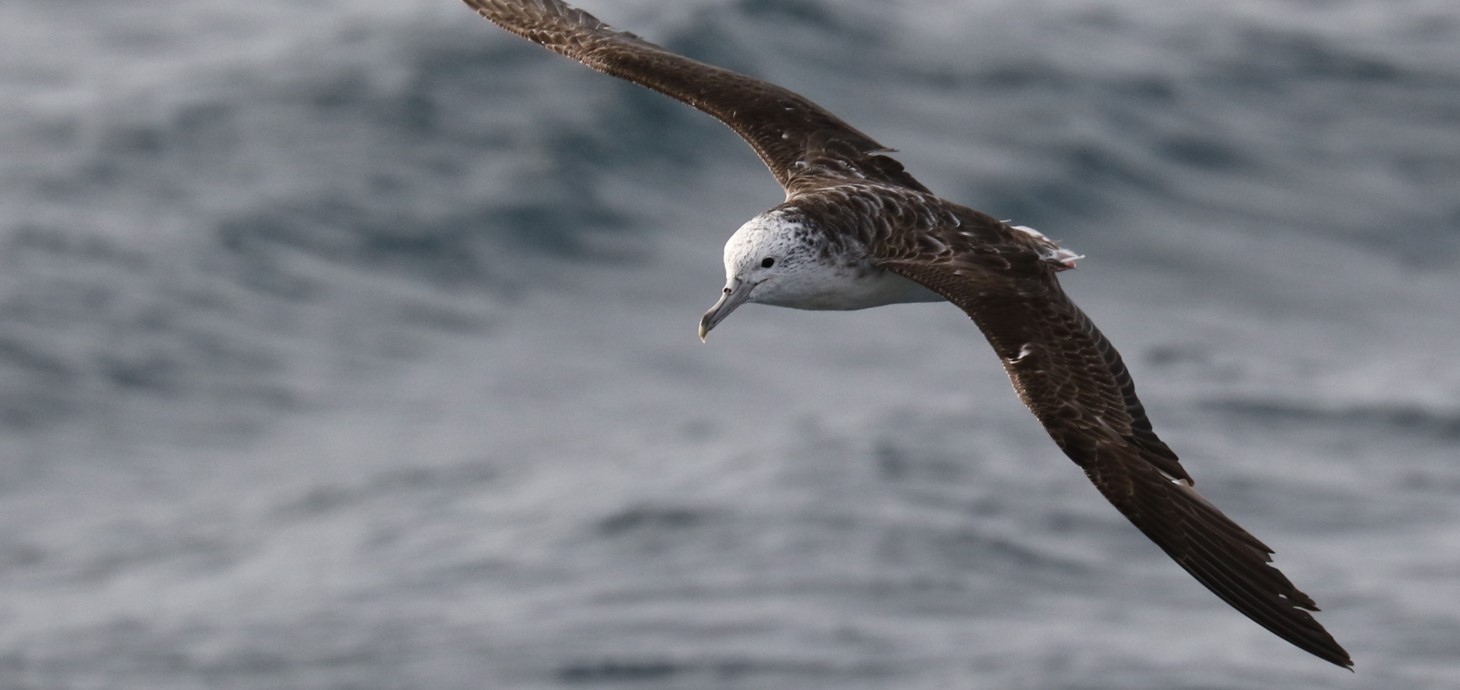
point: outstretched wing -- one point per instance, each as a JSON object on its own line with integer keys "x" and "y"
{"x": 803, "y": 145}
{"x": 1075, "y": 383}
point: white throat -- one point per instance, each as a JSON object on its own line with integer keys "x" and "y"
{"x": 788, "y": 262}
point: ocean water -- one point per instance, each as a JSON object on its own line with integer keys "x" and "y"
{"x": 351, "y": 345}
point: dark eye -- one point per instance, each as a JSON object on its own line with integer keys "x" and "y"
{"x": 767, "y": 262}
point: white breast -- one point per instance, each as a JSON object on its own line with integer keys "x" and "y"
{"x": 842, "y": 289}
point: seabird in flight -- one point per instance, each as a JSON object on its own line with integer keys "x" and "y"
{"x": 856, "y": 231}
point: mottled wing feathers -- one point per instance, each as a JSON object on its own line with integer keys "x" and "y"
{"x": 1063, "y": 369}
{"x": 1075, "y": 383}
{"x": 803, "y": 145}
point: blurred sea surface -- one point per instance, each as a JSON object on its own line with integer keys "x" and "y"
{"x": 351, "y": 345}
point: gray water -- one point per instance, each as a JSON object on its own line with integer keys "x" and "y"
{"x": 351, "y": 345}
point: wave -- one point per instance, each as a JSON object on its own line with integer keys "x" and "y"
{"x": 1377, "y": 419}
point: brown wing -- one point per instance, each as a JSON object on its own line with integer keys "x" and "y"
{"x": 803, "y": 145}
{"x": 1074, "y": 382}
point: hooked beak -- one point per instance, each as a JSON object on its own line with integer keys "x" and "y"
{"x": 734, "y": 295}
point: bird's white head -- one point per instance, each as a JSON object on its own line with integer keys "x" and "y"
{"x": 765, "y": 261}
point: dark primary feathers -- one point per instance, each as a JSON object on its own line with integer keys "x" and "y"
{"x": 1074, "y": 381}
{"x": 798, "y": 140}
{"x": 1064, "y": 370}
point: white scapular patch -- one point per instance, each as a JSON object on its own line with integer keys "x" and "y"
{"x": 1030, "y": 231}
{"x": 1025, "y": 351}
{"x": 1062, "y": 258}
{"x": 1187, "y": 483}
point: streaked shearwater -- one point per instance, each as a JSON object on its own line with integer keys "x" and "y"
{"x": 856, "y": 231}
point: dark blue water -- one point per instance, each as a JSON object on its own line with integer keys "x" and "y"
{"x": 351, "y": 345}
